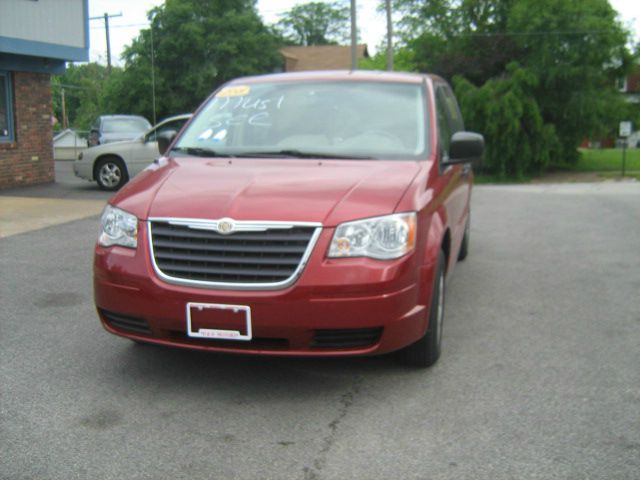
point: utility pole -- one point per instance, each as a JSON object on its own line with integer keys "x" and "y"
{"x": 65, "y": 122}
{"x": 354, "y": 37}
{"x": 106, "y": 18}
{"x": 106, "y": 30}
{"x": 153, "y": 75}
{"x": 389, "y": 36}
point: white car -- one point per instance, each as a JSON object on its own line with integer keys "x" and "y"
{"x": 113, "y": 164}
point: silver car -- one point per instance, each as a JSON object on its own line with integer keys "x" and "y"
{"x": 113, "y": 164}
{"x": 117, "y": 128}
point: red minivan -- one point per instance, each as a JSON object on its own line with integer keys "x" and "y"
{"x": 313, "y": 213}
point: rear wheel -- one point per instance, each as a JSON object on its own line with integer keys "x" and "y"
{"x": 111, "y": 173}
{"x": 426, "y": 351}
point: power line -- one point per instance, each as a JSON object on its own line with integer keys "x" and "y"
{"x": 540, "y": 33}
{"x": 129, "y": 25}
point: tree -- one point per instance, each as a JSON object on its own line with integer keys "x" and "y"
{"x": 458, "y": 38}
{"x": 573, "y": 52}
{"x": 403, "y": 60}
{"x": 517, "y": 140}
{"x": 577, "y": 60}
{"x": 197, "y": 47}
{"x": 316, "y": 23}
{"x": 84, "y": 87}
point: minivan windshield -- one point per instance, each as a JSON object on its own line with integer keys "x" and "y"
{"x": 336, "y": 119}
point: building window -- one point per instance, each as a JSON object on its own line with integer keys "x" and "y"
{"x": 6, "y": 115}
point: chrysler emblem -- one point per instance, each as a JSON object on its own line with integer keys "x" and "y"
{"x": 225, "y": 226}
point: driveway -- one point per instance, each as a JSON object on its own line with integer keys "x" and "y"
{"x": 539, "y": 376}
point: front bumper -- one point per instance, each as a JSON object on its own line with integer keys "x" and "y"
{"x": 337, "y": 307}
{"x": 83, "y": 169}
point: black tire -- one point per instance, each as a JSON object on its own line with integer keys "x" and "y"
{"x": 464, "y": 247}
{"x": 110, "y": 173}
{"x": 426, "y": 351}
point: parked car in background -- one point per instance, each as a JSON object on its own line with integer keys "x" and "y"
{"x": 314, "y": 213}
{"x": 115, "y": 128}
{"x": 113, "y": 164}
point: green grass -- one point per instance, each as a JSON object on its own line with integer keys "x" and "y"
{"x": 616, "y": 175}
{"x": 607, "y": 160}
{"x": 481, "y": 179}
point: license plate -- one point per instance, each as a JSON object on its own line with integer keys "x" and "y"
{"x": 218, "y": 321}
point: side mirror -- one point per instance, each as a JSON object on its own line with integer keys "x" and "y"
{"x": 165, "y": 139}
{"x": 94, "y": 137}
{"x": 465, "y": 147}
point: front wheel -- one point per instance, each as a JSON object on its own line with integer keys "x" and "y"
{"x": 111, "y": 173}
{"x": 426, "y": 351}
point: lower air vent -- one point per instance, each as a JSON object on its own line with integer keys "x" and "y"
{"x": 125, "y": 322}
{"x": 256, "y": 343}
{"x": 346, "y": 338}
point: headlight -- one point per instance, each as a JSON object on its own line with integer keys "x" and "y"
{"x": 383, "y": 238}
{"x": 118, "y": 228}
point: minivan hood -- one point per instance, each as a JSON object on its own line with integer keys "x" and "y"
{"x": 300, "y": 190}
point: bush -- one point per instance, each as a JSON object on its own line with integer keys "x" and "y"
{"x": 505, "y": 111}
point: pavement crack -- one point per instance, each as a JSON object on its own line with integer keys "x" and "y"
{"x": 345, "y": 403}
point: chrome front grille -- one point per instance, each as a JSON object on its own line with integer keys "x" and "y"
{"x": 255, "y": 255}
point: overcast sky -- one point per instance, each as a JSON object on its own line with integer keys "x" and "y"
{"x": 371, "y": 24}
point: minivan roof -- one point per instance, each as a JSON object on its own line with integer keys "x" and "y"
{"x": 333, "y": 75}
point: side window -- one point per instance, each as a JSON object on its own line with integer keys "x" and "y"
{"x": 6, "y": 114}
{"x": 152, "y": 136}
{"x": 176, "y": 125}
{"x": 444, "y": 129}
{"x": 456, "y": 123}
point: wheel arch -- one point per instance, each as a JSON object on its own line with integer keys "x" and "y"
{"x": 445, "y": 246}
{"x": 438, "y": 238}
{"x": 105, "y": 156}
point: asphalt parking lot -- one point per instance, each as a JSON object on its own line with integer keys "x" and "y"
{"x": 539, "y": 378}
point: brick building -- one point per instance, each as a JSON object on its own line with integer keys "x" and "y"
{"x": 320, "y": 57}
{"x": 630, "y": 86}
{"x": 36, "y": 39}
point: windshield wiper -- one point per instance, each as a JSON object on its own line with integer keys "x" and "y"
{"x": 302, "y": 154}
{"x": 201, "y": 152}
